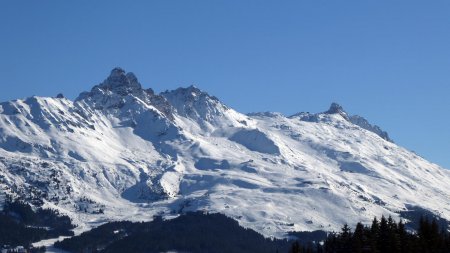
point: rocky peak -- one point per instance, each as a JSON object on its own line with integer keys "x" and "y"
{"x": 117, "y": 71}
{"x": 121, "y": 89}
{"x": 117, "y": 83}
{"x": 121, "y": 82}
{"x": 190, "y": 93}
{"x": 336, "y": 108}
{"x": 196, "y": 104}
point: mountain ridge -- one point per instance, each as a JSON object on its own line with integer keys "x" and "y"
{"x": 122, "y": 152}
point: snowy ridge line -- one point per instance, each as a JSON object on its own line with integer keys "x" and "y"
{"x": 122, "y": 152}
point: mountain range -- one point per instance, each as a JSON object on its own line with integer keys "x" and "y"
{"x": 123, "y": 152}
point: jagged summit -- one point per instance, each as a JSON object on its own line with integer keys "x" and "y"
{"x": 191, "y": 92}
{"x": 117, "y": 72}
{"x": 118, "y": 82}
{"x": 119, "y": 77}
{"x": 122, "y": 93}
{"x": 336, "y": 108}
{"x": 196, "y": 104}
{"x": 121, "y": 82}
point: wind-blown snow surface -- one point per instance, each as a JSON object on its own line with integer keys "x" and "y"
{"x": 123, "y": 152}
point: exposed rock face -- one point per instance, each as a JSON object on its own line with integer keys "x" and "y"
{"x": 362, "y": 122}
{"x": 336, "y": 109}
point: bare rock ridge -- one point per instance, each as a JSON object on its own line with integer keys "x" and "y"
{"x": 336, "y": 109}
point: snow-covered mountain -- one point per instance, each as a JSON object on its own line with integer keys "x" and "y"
{"x": 123, "y": 152}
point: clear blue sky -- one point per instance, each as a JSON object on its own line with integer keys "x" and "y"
{"x": 388, "y": 61}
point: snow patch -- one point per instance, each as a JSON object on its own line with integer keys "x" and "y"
{"x": 170, "y": 182}
{"x": 211, "y": 164}
{"x": 15, "y": 144}
{"x": 255, "y": 140}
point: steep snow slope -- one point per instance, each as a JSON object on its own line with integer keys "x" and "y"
{"x": 123, "y": 152}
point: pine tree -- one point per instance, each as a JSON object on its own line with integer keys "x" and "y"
{"x": 434, "y": 240}
{"x": 358, "y": 240}
{"x": 296, "y": 248}
{"x": 374, "y": 233}
{"x": 383, "y": 236}
{"x": 393, "y": 240}
{"x": 331, "y": 245}
{"x": 424, "y": 234}
{"x": 403, "y": 238}
{"x": 345, "y": 239}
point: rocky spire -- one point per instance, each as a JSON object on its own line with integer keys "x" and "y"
{"x": 118, "y": 82}
{"x": 336, "y": 108}
{"x": 121, "y": 82}
{"x": 120, "y": 89}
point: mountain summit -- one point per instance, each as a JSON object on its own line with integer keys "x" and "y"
{"x": 119, "y": 78}
{"x": 122, "y": 152}
{"x": 336, "y": 108}
{"x": 118, "y": 82}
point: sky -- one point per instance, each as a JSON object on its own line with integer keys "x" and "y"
{"x": 388, "y": 61}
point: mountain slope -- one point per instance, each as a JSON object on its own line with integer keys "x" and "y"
{"x": 123, "y": 152}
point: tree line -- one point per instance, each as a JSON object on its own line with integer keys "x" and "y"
{"x": 191, "y": 232}
{"x": 383, "y": 236}
{"x": 20, "y": 225}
